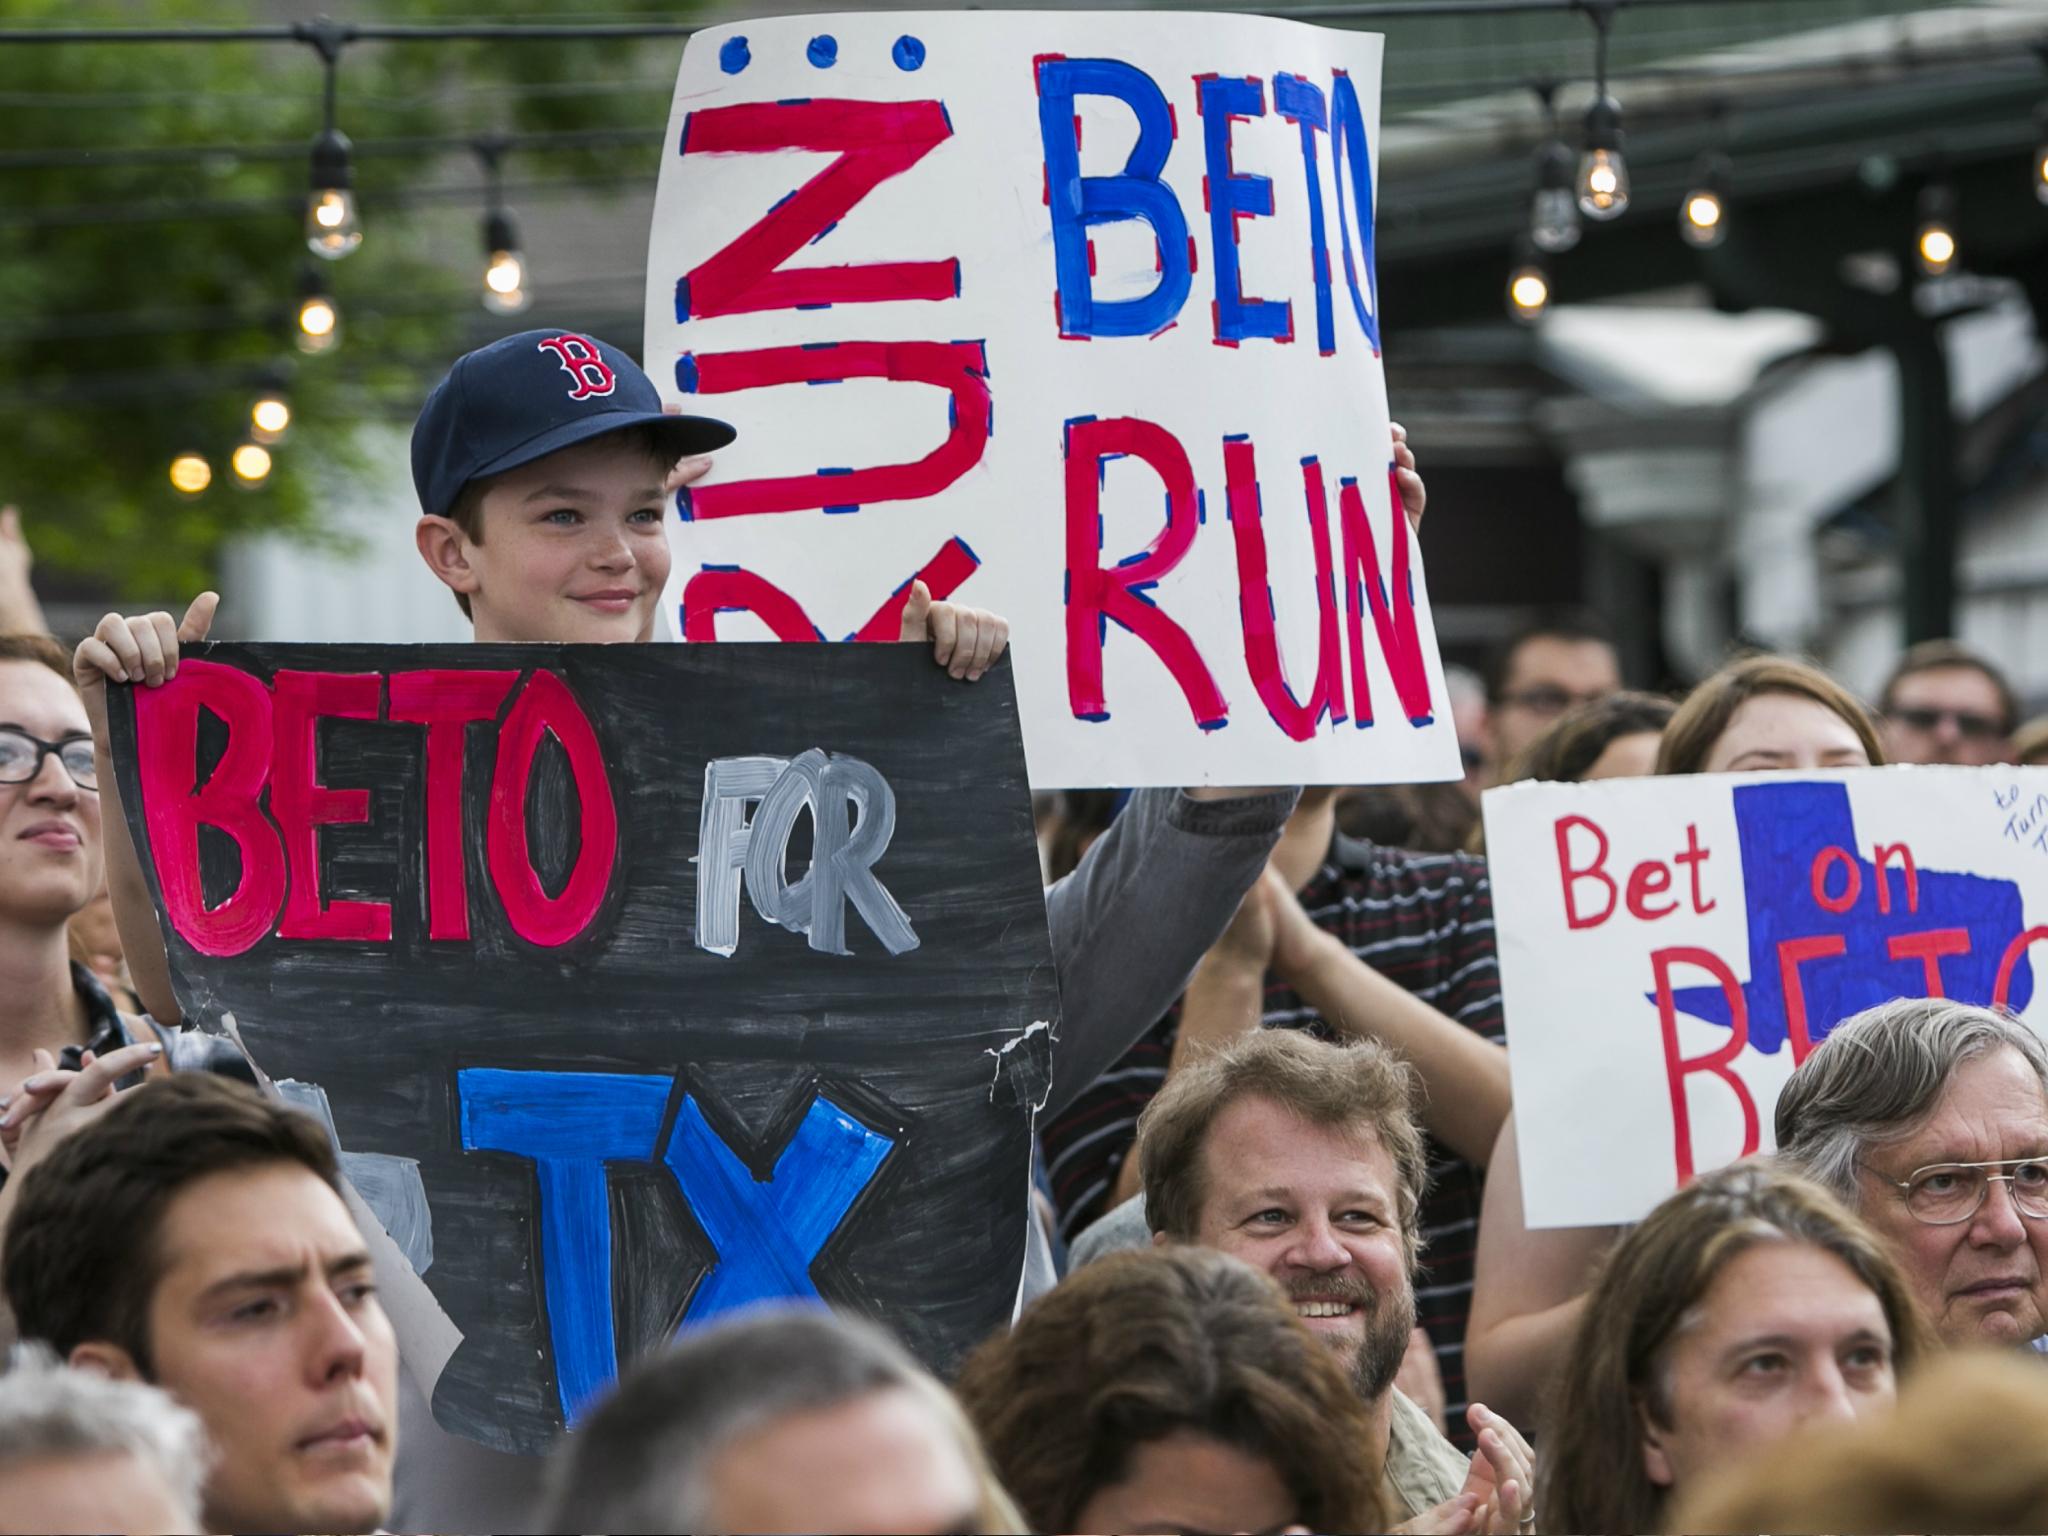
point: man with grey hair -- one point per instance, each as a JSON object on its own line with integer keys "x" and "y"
{"x": 82, "y": 1452}
{"x": 782, "y": 1419}
{"x": 1930, "y": 1118}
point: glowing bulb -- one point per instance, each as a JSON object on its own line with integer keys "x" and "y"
{"x": 1937, "y": 249}
{"x": 190, "y": 474}
{"x": 2041, "y": 173}
{"x": 1701, "y": 221}
{"x": 1603, "y": 184}
{"x": 505, "y": 291}
{"x": 319, "y": 323}
{"x": 251, "y": 464}
{"x": 1528, "y": 293}
{"x": 331, "y": 227}
{"x": 269, "y": 419}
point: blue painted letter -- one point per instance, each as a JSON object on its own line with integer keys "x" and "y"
{"x": 767, "y": 1234}
{"x": 1233, "y": 197}
{"x": 570, "y": 1124}
{"x": 1299, "y": 102}
{"x": 1347, "y": 137}
{"x": 1079, "y": 203}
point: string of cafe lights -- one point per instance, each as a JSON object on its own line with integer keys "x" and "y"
{"x": 1600, "y": 189}
{"x": 1592, "y": 186}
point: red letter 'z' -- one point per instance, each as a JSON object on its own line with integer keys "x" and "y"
{"x": 874, "y": 140}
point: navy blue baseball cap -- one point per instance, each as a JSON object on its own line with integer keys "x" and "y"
{"x": 529, "y": 395}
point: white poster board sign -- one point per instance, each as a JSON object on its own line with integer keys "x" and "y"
{"x": 1671, "y": 948}
{"x": 1073, "y": 315}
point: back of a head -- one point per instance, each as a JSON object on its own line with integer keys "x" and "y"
{"x": 81, "y": 1260}
{"x": 1961, "y": 1453}
{"x": 79, "y": 1451}
{"x": 1147, "y": 1344}
{"x": 646, "y": 1459}
{"x": 1357, "y": 1086}
{"x": 1568, "y": 749}
{"x": 1690, "y": 737}
{"x": 1879, "y": 1074}
{"x": 1593, "y": 1476}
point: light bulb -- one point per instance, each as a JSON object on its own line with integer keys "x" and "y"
{"x": 1528, "y": 292}
{"x": 1603, "y": 184}
{"x": 1554, "y": 219}
{"x": 1934, "y": 242}
{"x": 1703, "y": 214}
{"x": 2041, "y": 173}
{"x": 331, "y": 227}
{"x": 505, "y": 291}
{"x": 319, "y": 323}
{"x": 269, "y": 418}
{"x": 251, "y": 463}
{"x": 1937, "y": 247}
{"x": 1701, "y": 220}
{"x": 190, "y": 474}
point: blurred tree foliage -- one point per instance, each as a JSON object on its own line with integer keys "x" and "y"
{"x": 142, "y": 304}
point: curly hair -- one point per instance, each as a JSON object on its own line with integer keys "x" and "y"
{"x": 1143, "y": 1345}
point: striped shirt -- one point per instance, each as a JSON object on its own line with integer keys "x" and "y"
{"x": 1424, "y": 921}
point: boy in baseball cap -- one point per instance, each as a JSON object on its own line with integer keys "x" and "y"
{"x": 543, "y": 463}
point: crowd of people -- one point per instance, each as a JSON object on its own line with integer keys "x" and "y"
{"x": 1278, "y": 1276}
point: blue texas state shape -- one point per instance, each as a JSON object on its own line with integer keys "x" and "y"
{"x": 1782, "y": 829}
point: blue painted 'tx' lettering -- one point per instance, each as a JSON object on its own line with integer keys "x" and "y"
{"x": 767, "y": 1232}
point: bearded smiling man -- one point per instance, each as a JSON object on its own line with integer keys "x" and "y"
{"x": 1305, "y": 1160}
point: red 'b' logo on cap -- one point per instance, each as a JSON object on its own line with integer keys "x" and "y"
{"x": 580, "y": 361}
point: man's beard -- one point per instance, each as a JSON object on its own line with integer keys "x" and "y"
{"x": 1389, "y": 1321}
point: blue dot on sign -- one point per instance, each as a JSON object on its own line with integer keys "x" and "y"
{"x": 908, "y": 52}
{"x": 824, "y": 50}
{"x": 733, "y": 56}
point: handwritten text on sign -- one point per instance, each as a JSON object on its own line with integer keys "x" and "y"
{"x": 1072, "y": 316}
{"x": 641, "y": 983}
{"x": 1672, "y": 948}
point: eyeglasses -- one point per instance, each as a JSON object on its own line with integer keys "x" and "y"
{"x": 21, "y": 757}
{"x": 1942, "y": 1194}
{"x": 1969, "y": 725}
{"x": 1548, "y": 701}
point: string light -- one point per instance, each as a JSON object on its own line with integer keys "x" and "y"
{"x": 1935, "y": 241}
{"x": 1603, "y": 173}
{"x": 1553, "y": 211}
{"x": 1703, "y": 216}
{"x": 270, "y": 418}
{"x": 505, "y": 290}
{"x": 2041, "y": 152}
{"x": 319, "y": 318}
{"x": 1528, "y": 284}
{"x": 251, "y": 463}
{"x": 332, "y": 230}
{"x": 190, "y": 474}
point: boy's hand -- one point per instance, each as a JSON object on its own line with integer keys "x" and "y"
{"x": 143, "y": 649}
{"x": 965, "y": 641}
{"x": 686, "y": 472}
{"x": 1414, "y": 494}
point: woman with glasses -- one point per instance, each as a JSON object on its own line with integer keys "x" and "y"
{"x": 1930, "y": 1118}
{"x": 64, "y": 1046}
{"x": 1748, "y": 1305}
{"x": 56, "y": 1011}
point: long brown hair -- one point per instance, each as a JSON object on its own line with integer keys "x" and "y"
{"x": 1690, "y": 737}
{"x": 1592, "y": 1476}
{"x": 1141, "y": 1345}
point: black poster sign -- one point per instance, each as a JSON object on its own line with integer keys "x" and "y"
{"x": 639, "y": 983}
